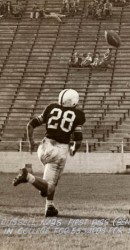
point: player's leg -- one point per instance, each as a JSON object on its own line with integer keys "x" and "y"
{"x": 45, "y": 153}
{"x": 24, "y": 176}
{"x": 37, "y": 182}
{"x": 52, "y": 172}
{"x": 52, "y": 175}
{"x": 55, "y": 177}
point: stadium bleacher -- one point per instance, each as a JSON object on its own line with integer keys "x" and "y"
{"x": 34, "y": 68}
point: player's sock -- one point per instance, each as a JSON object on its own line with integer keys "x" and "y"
{"x": 41, "y": 185}
{"x": 49, "y": 203}
{"x": 38, "y": 183}
{"x": 30, "y": 178}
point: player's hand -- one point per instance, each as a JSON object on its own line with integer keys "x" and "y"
{"x": 73, "y": 149}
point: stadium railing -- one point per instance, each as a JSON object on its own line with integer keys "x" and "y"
{"x": 86, "y": 147}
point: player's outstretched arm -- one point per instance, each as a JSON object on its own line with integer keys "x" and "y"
{"x": 30, "y": 128}
{"x": 30, "y": 137}
{"x": 32, "y": 124}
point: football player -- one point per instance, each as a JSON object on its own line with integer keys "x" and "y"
{"x": 63, "y": 121}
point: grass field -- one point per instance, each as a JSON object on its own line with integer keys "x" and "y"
{"x": 93, "y": 214}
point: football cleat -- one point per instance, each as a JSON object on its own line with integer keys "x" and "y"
{"x": 21, "y": 177}
{"x": 51, "y": 211}
{"x": 68, "y": 98}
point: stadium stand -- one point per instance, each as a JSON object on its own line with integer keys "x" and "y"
{"x": 34, "y": 67}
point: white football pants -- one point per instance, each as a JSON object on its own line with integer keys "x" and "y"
{"x": 53, "y": 156}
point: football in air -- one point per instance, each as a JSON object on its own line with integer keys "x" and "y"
{"x": 112, "y": 38}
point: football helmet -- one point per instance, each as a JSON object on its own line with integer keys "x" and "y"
{"x": 68, "y": 98}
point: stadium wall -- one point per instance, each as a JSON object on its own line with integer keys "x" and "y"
{"x": 10, "y": 162}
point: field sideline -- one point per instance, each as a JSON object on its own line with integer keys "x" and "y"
{"x": 90, "y": 210}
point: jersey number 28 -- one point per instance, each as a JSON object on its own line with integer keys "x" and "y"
{"x": 66, "y": 122}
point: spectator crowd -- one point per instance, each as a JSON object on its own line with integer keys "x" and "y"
{"x": 93, "y": 61}
{"x": 10, "y": 9}
{"x": 70, "y": 7}
{"x": 99, "y": 9}
{"x": 40, "y": 12}
{"x": 7, "y": 9}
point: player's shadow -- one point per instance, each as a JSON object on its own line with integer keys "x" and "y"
{"x": 72, "y": 216}
{"x": 80, "y": 217}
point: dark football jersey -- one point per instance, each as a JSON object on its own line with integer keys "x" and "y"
{"x": 61, "y": 121}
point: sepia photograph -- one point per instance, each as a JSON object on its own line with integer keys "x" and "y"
{"x": 64, "y": 124}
